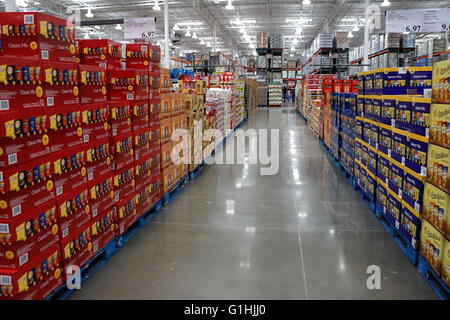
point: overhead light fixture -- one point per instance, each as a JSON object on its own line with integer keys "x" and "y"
{"x": 86, "y": 36}
{"x": 385, "y": 3}
{"x": 298, "y": 31}
{"x": 355, "y": 28}
{"x": 306, "y": 2}
{"x": 229, "y": 5}
{"x": 89, "y": 13}
{"x": 202, "y": 41}
{"x": 118, "y": 27}
{"x": 176, "y": 27}
{"x": 181, "y": 53}
{"x": 242, "y": 30}
{"x": 194, "y": 36}
{"x": 295, "y": 41}
{"x": 292, "y": 48}
{"x": 291, "y": 55}
{"x": 255, "y": 53}
{"x": 188, "y": 33}
{"x": 350, "y": 34}
{"x": 208, "y": 44}
{"x": 156, "y": 7}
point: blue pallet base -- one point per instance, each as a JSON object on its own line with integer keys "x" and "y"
{"x": 138, "y": 225}
{"x": 366, "y": 199}
{"x": 194, "y": 173}
{"x": 432, "y": 279}
{"x": 403, "y": 243}
{"x": 88, "y": 270}
{"x": 169, "y": 196}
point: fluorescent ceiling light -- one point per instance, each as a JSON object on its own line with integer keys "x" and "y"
{"x": 349, "y": 19}
{"x": 209, "y": 44}
{"x": 89, "y": 13}
{"x": 176, "y": 27}
{"x": 295, "y": 41}
{"x": 292, "y": 48}
{"x": 298, "y": 31}
{"x": 194, "y": 36}
{"x": 118, "y": 27}
{"x": 385, "y": 3}
{"x": 190, "y": 23}
{"x": 291, "y": 55}
{"x": 242, "y": 30}
{"x": 229, "y": 5}
{"x": 156, "y": 7}
{"x": 298, "y": 20}
{"x": 202, "y": 41}
{"x": 356, "y": 28}
{"x": 239, "y": 22}
{"x": 188, "y": 33}
{"x": 306, "y": 2}
{"x": 350, "y": 34}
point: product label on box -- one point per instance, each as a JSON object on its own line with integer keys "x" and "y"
{"x": 420, "y": 118}
{"x": 436, "y": 207}
{"x": 431, "y": 245}
{"x": 437, "y": 167}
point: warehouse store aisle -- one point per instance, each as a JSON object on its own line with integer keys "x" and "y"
{"x": 234, "y": 234}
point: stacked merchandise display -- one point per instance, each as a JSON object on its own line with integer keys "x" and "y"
{"x": 173, "y": 117}
{"x": 238, "y": 103}
{"x": 251, "y": 101}
{"x": 36, "y": 135}
{"x": 262, "y": 94}
{"x": 77, "y": 144}
{"x": 435, "y": 233}
{"x": 275, "y": 94}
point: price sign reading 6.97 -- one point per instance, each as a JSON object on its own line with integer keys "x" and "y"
{"x": 139, "y": 28}
{"x": 413, "y": 28}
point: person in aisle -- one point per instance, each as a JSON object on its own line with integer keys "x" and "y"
{"x": 284, "y": 94}
{"x": 293, "y": 95}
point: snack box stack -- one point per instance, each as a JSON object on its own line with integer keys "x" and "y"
{"x": 165, "y": 84}
{"x": 166, "y": 116}
{"x": 101, "y": 53}
{"x": 40, "y": 118}
{"x": 195, "y": 111}
{"x": 435, "y": 245}
{"x": 347, "y": 134}
{"x": 139, "y": 56}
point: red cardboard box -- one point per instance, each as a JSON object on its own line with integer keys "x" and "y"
{"x": 120, "y": 109}
{"x": 143, "y": 200}
{"x": 140, "y": 119}
{"x": 125, "y": 213}
{"x": 76, "y": 249}
{"x": 102, "y": 229}
{"x": 13, "y": 204}
{"x": 98, "y": 169}
{"x": 37, "y": 35}
{"x": 67, "y": 138}
{"x": 102, "y": 53}
{"x": 73, "y": 211}
{"x": 122, "y": 85}
{"x": 27, "y": 175}
{"x": 22, "y": 150}
{"x": 25, "y": 237}
{"x": 121, "y": 127}
{"x": 92, "y": 84}
{"x": 142, "y": 83}
{"x": 124, "y": 182}
{"x": 138, "y": 56}
{"x": 26, "y": 281}
{"x": 141, "y": 138}
{"x": 101, "y": 194}
{"x": 95, "y": 132}
{"x": 20, "y": 124}
{"x": 65, "y": 117}
{"x": 338, "y": 86}
{"x": 61, "y": 84}
{"x": 122, "y": 148}
{"x": 21, "y": 84}
{"x": 50, "y": 284}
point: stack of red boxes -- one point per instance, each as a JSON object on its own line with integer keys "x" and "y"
{"x": 39, "y": 121}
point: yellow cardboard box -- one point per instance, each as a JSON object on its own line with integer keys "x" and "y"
{"x": 435, "y": 207}
{"x": 440, "y": 124}
{"x": 441, "y": 85}
{"x": 432, "y": 246}
{"x": 437, "y": 167}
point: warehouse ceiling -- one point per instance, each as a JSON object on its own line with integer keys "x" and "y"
{"x": 202, "y": 17}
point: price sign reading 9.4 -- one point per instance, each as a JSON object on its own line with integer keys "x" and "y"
{"x": 445, "y": 27}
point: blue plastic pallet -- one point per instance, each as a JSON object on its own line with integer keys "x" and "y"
{"x": 403, "y": 243}
{"x": 434, "y": 281}
{"x": 366, "y": 199}
{"x": 88, "y": 270}
{"x": 137, "y": 225}
{"x": 194, "y": 173}
{"x": 169, "y": 196}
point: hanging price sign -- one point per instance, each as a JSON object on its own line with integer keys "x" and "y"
{"x": 429, "y": 20}
{"x": 139, "y": 28}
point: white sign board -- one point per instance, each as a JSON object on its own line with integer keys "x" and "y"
{"x": 139, "y": 28}
{"x": 418, "y": 20}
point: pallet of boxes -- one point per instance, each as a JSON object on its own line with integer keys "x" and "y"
{"x": 195, "y": 109}
{"x": 435, "y": 235}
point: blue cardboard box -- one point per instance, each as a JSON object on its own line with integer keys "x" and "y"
{"x": 403, "y": 113}
{"x": 413, "y": 187}
{"x": 420, "y": 117}
{"x": 388, "y": 106}
{"x": 410, "y": 225}
{"x": 419, "y": 81}
{"x": 416, "y": 154}
{"x": 399, "y": 144}
{"x": 385, "y": 143}
{"x": 396, "y": 176}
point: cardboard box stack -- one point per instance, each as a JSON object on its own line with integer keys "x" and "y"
{"x": 72, "y": 152}
{"x": 392, "y": 143}
{"x": 435, "y": 245}
{"x": 238, "y": 103}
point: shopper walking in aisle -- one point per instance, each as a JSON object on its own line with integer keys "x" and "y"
{"x": 284, "y": 94}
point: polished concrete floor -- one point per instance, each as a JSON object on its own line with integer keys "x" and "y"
{"x": 232, "y": 233}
